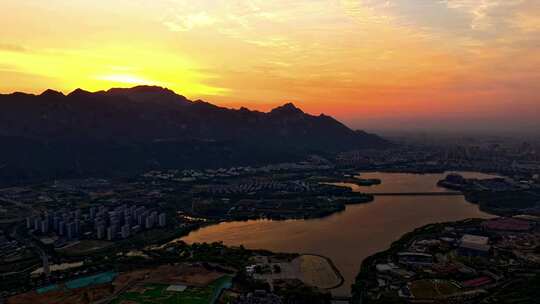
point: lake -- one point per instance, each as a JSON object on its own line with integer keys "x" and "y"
{"x": 361, "y": 230}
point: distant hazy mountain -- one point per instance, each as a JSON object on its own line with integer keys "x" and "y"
{"x": 144, "y": 127}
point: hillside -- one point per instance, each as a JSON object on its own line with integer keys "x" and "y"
{"x": 52, "y": 134}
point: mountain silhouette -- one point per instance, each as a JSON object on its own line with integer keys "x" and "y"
{"x": 146, "y": 126}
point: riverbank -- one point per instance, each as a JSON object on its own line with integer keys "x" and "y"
{"x": 364, "y": 182}
{"x": 436, "y": 263}
{"x": 367, "y": 269}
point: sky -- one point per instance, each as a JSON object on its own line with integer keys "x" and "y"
{"x": 376, "y": 65}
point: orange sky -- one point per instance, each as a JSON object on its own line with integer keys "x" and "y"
{"x": 374, "y": 64}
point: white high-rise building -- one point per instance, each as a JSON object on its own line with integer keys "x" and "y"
{"x": 162, "y": 219}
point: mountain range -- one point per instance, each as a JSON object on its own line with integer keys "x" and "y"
{"x": 122, "y": 130}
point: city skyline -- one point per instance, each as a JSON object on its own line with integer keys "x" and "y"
{"x": 438, "y": 65}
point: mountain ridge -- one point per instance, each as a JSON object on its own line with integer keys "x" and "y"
{"x": 146, "y": 126}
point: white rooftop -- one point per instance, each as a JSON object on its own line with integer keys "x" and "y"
{"x": 385, "y": 267}
{"x": 474, "y": 239}
{"x": 475, "y": 242}
{"x": 176, "y": 288}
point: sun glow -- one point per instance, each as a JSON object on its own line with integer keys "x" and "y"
{"x": 126, "y": 79}
{"x": 98, "y": 68}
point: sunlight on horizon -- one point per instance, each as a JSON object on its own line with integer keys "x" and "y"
{"x": 357, "y": 60}
{"x": 126, "y": 79}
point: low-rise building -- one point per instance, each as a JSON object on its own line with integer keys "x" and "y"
{"x": 474, "y": 245}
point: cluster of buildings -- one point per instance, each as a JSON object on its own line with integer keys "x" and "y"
{"x": 10, "y": 249}
{"x": 461, "y": 262}
{"x": 508, "y": 158}
{"x": 257, "y": 186}
{"x": 63, "y": 223}
{"x": 458, "y": 182}
{"x": 258, "y": 297}
{"x": 123, "y": 221}
{"x": 372, "y": 158}
{"x": 96, "y": 222}
{"x": 190, "y": 175}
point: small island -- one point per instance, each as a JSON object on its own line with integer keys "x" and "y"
{"x": 500, "y": 196}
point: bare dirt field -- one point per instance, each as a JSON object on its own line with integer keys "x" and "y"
{"x": 313, "y": 270}
{"x": 318, "y": 271}
{"x": 183, "y": 274}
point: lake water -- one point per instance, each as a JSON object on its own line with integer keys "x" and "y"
{"x": 359, "y": 231}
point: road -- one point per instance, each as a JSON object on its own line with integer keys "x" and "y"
{"x": 30, "y": 242}
{"x": 18, "y": 204}
{"x": 30, "y": 209}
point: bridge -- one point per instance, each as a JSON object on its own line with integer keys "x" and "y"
{"x": 446, "y": 193}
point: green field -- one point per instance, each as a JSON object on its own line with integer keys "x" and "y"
{"x": 157, "y": 293}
